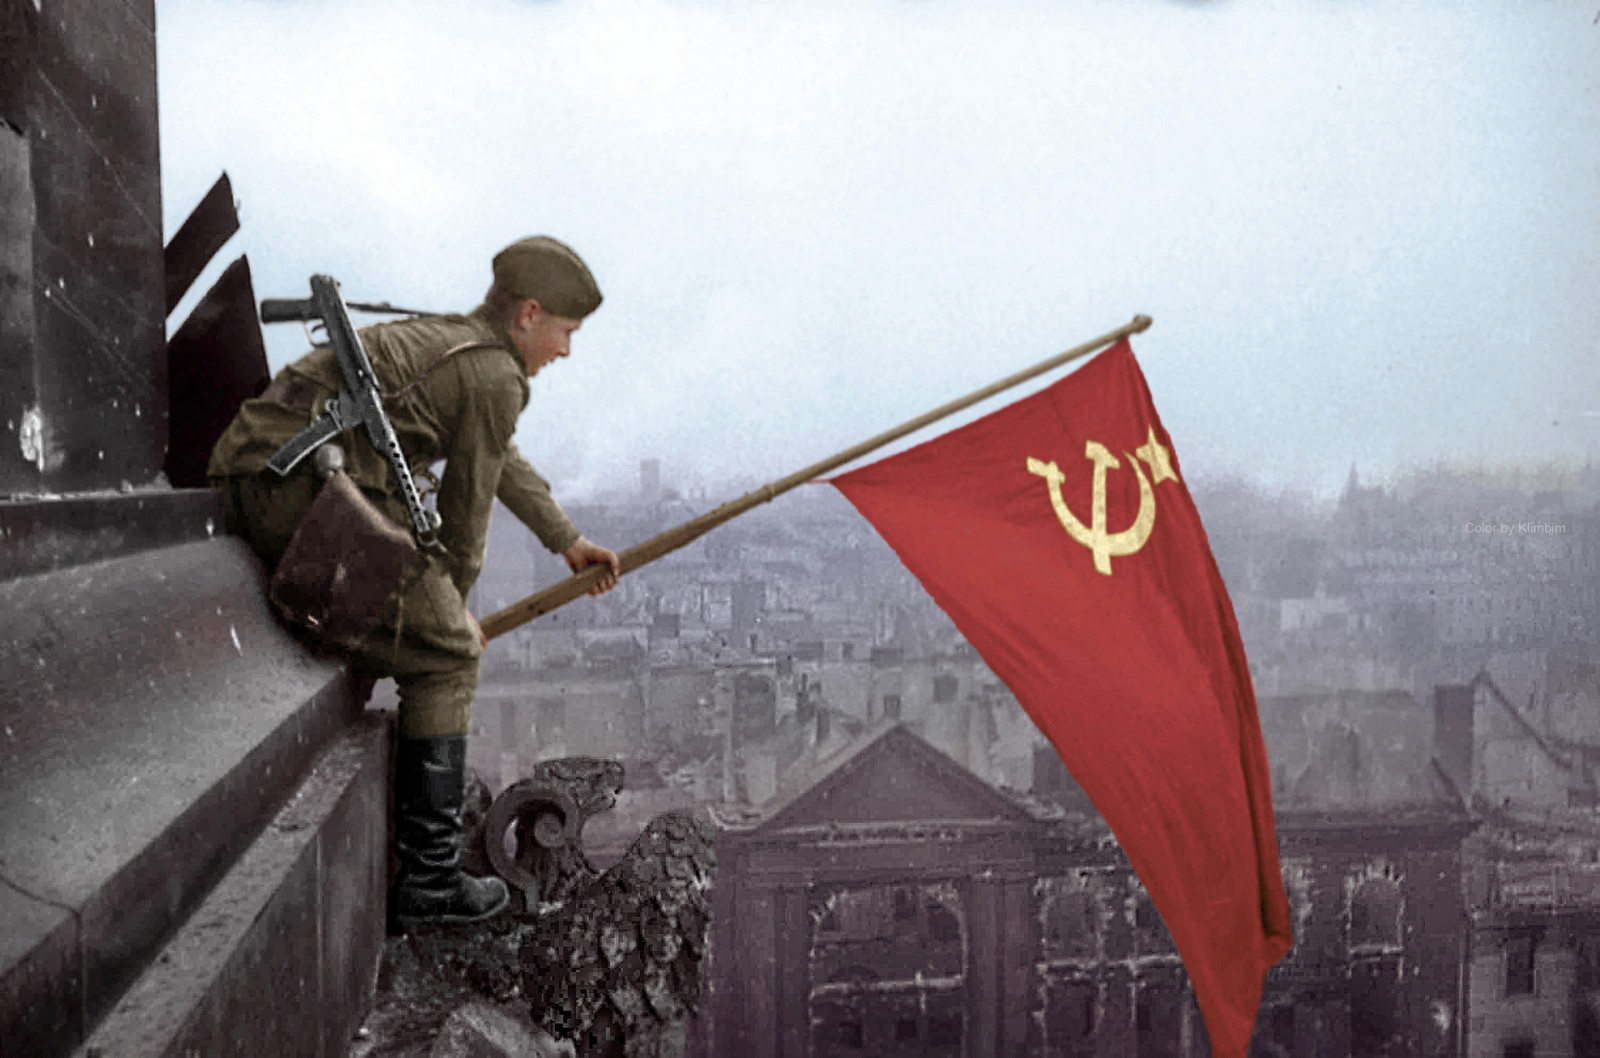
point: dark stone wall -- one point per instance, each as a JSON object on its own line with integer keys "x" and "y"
{"x": 82, "y": 365}
{"x": 156, "y": 715}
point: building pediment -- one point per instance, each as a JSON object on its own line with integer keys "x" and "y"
{"x": 886, "y": 777}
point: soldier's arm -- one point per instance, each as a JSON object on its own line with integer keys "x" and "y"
{"x": 527, "y": 495}
{"x": 485, "y": 407}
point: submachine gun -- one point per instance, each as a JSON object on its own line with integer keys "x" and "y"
{"x": 346, "y": 557}
{"x": 360, "y": 402}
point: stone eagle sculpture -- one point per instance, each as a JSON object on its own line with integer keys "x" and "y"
{"x": 610, "y": 960}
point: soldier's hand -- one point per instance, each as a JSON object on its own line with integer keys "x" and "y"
{"x": 483, "y": 640}
{"x": 585, "y": 553}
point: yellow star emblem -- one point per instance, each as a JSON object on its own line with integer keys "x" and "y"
{"x": 1155, "y": 454}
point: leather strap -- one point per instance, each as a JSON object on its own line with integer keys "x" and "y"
{"x": 299, "y": 393}
{"x": 441, "y": 358}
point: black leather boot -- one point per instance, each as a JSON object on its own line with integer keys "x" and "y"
{"x": 431, "y": 888}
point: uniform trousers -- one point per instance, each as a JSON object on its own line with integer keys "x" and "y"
{"x": 423, "y": 639}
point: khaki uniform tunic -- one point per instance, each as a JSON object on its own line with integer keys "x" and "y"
{"x": 461, "y": 409}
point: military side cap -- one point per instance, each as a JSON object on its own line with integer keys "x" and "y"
{"x": 549, "y": 271}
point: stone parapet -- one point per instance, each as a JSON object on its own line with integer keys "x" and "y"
{"x": 279, "y": 960}
{"x": 40, "y": 535}
{"x": 153, "y": 719}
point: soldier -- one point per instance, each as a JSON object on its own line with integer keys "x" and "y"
{"x": 453, "y": 388}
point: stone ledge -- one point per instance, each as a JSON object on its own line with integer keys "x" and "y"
{"x": 153, "y": 716}
{"x": 38, "y": 535}
{"x": 280, "y": 958}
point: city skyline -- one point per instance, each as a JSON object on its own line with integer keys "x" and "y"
{"x": 1427, "y": 700}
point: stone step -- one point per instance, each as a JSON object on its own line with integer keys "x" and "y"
{"x": 154, "y": 716}
{"x": 280, "y": 959}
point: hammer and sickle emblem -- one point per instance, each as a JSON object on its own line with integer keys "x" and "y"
{"x": 1103, "y": 544}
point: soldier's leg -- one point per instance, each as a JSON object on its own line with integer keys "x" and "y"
{"x": 263, "y": 509}
{"x": 426, "y": 643}
{"x": 424, "y": 640}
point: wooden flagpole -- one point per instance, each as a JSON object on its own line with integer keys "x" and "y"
{"x": 542, "y": 602}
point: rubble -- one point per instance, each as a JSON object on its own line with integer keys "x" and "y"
{"x": 476, "y": 1030}
{"x": 429, "y": 978}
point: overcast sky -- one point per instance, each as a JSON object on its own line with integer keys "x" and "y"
{"x": 1368, "y": 232}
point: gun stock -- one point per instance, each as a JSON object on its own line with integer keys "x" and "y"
{"x": 284, "y": 310}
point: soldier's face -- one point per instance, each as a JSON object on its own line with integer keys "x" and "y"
{"x": 541, "y": 337}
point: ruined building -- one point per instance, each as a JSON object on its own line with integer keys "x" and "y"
{"x": 1533, "y": 881}
{"x": 1534, "y": 941}
{"x": 889, "y": 902}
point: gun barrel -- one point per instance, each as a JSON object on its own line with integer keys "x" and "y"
{"x": 285, "y": 310}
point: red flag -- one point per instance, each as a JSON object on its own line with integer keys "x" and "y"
{"x": 1058, "y": 535}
